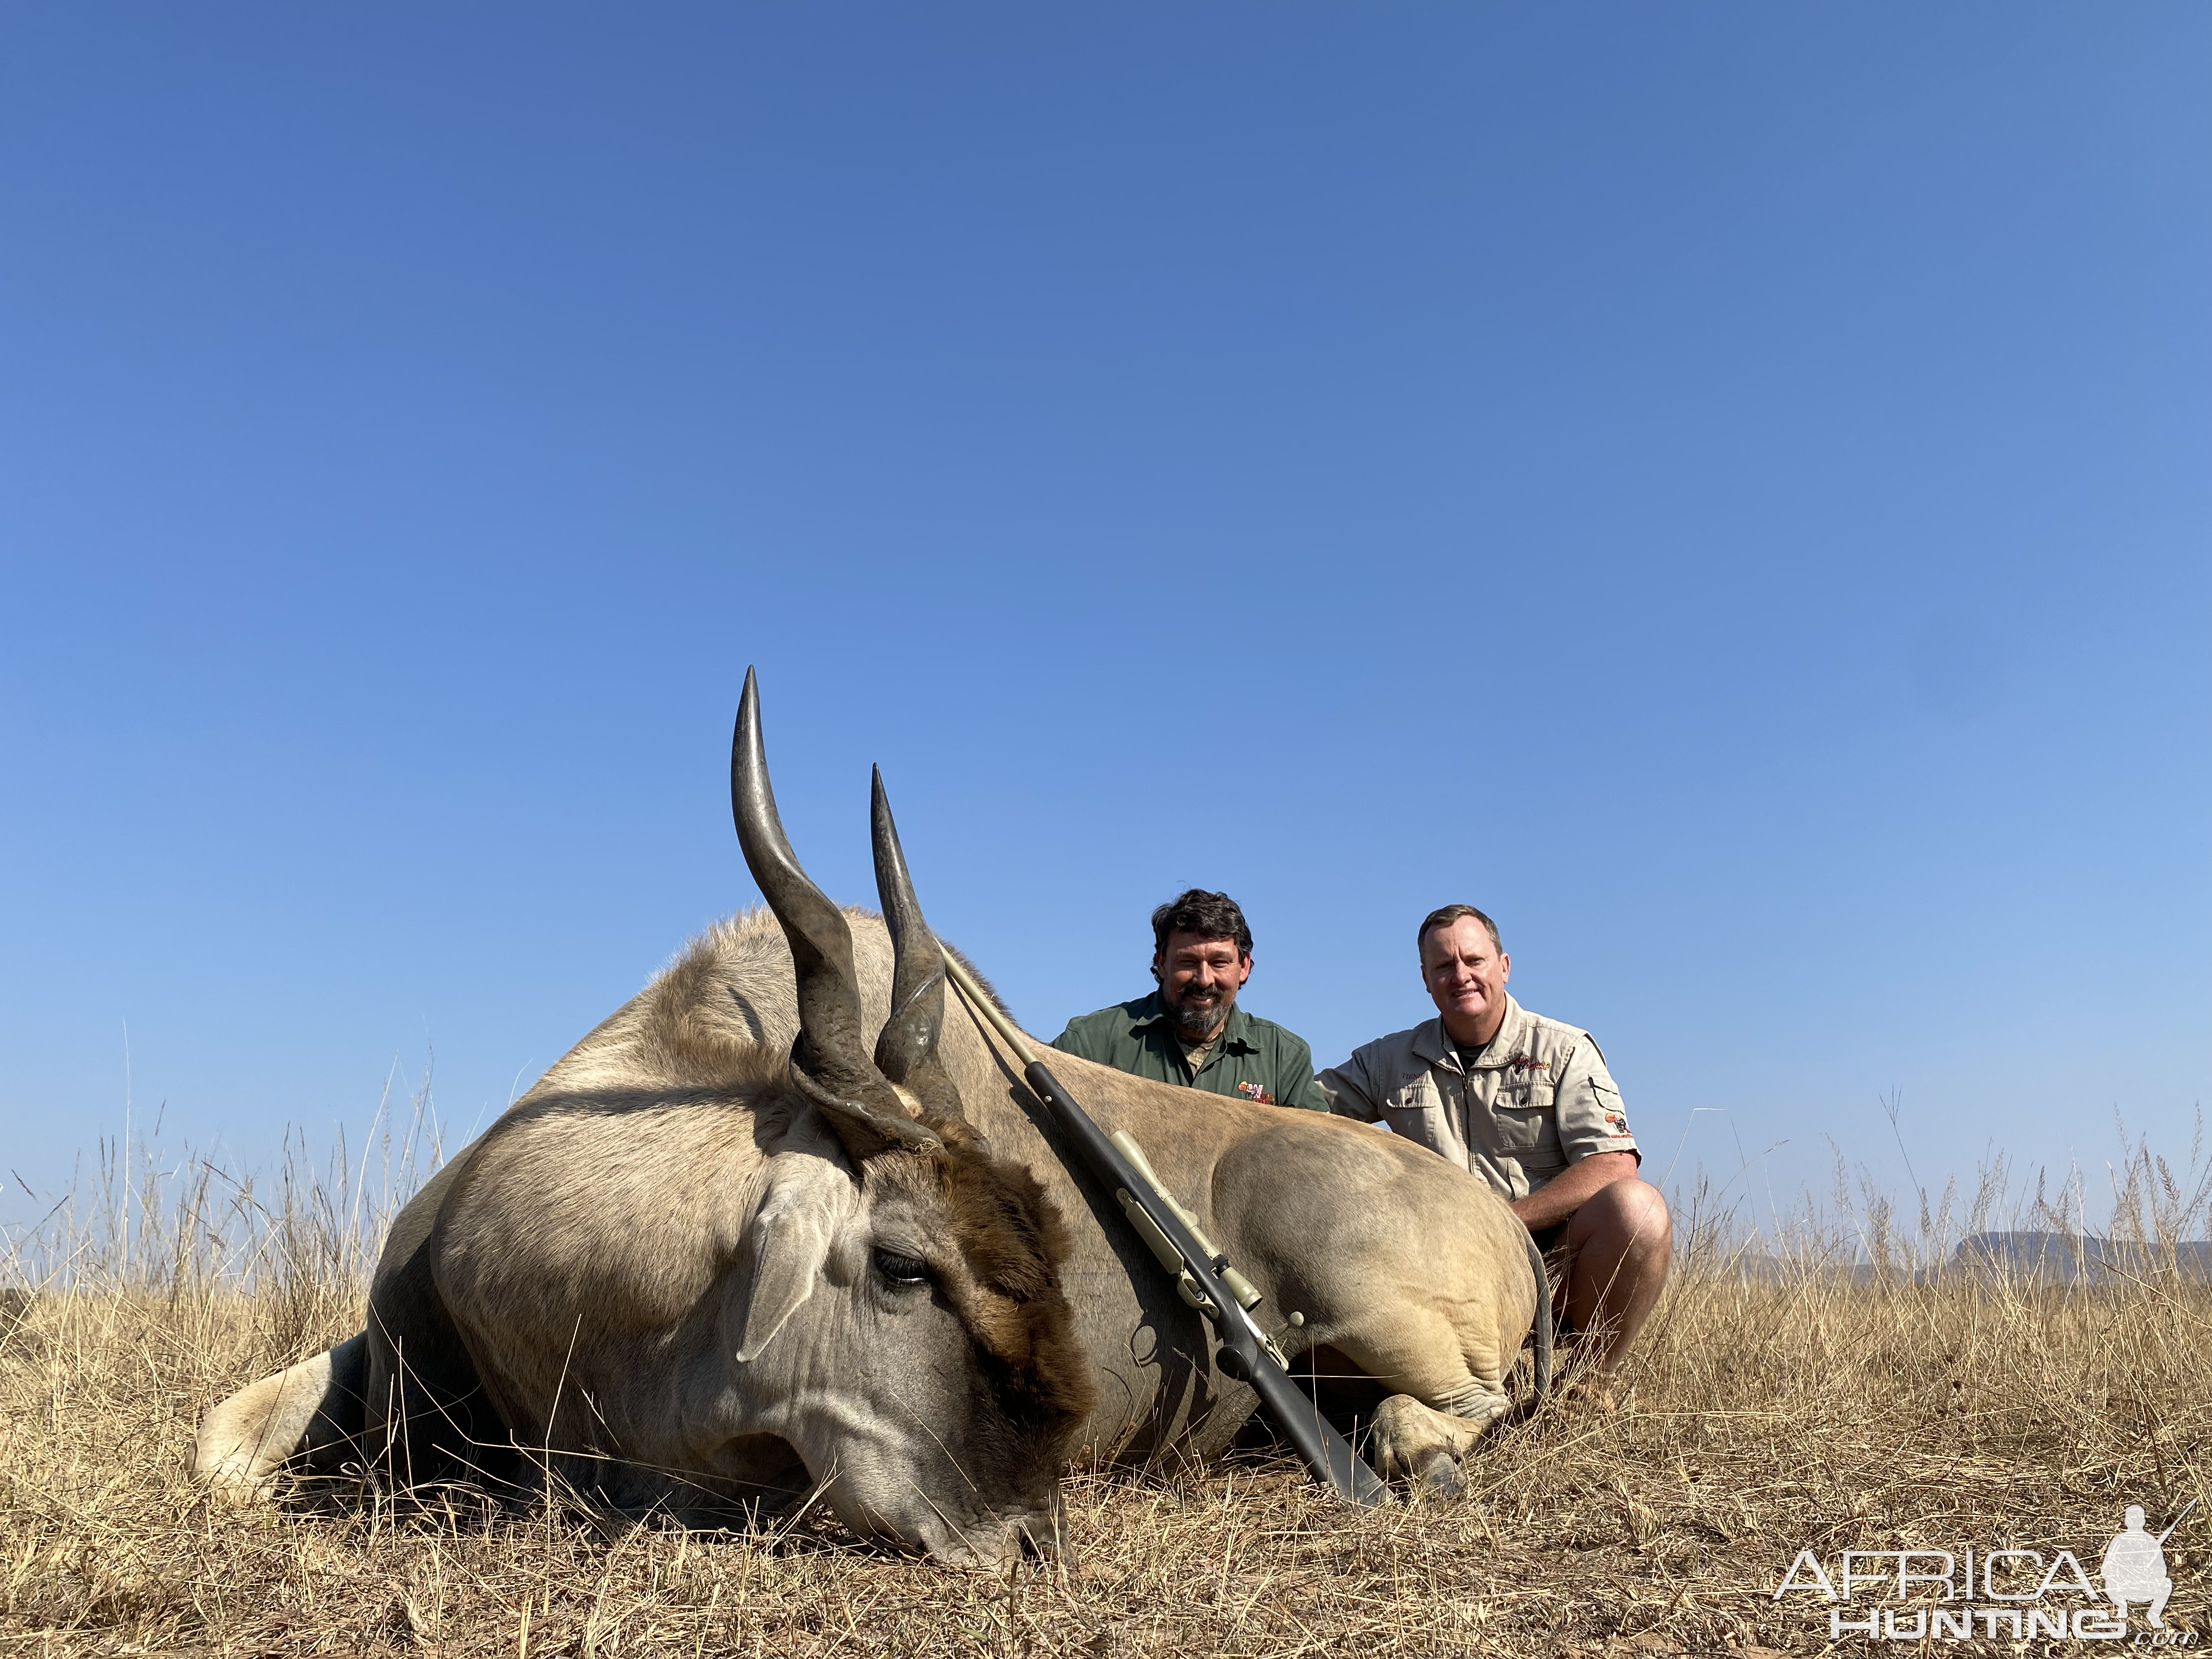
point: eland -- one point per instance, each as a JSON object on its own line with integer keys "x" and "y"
{"x": 786, "y": 1223}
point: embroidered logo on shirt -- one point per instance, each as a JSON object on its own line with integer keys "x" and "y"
{"x": 1616, "y": 1122}
{"x": 1253, "y": 1091}
{"x": 1526, "y": 1063}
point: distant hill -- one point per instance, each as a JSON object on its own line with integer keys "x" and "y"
{"x": 2066, "y": 1258}
{"x": 2049, "y": 1258}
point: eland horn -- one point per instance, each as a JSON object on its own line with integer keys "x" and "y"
{"x": 906, "y": 1052}
{"x": 828, "y": 1061}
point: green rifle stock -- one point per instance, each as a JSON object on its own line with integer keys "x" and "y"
{"x": 1203, "y": 1276}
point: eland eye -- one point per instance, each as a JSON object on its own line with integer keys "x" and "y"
{"x": 902, "y": 1269}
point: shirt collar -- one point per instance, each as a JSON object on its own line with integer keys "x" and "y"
{"x": 1432, "y": 1044}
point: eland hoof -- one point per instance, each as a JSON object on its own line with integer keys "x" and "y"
{"x": 1439, "y": 1476}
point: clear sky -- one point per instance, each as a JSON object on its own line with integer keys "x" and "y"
{"x": 1724, "y": 488}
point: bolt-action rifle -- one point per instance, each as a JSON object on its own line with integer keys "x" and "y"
{"x": 1202, "y": 1274}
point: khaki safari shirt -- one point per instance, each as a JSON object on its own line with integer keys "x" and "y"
{"x": 1537, "y": 1099}
{"x": 1252, "y": 1059}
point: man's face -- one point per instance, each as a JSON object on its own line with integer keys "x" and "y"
{"x": 1198, "y": 981}
{"x": 1466, "y": 975}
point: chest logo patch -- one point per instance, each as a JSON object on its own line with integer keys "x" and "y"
{"x": 1253, "y": 1091}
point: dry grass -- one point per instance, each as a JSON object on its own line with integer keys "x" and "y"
{"x": 1822, "y": 1410}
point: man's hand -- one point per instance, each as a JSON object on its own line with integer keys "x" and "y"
{"x": 1565, "y": 1193}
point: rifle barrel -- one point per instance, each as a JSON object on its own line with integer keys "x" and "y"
{"x": 1325, "y": 1452}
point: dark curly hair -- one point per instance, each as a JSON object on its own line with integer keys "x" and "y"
{"x": 1209, "y": 915}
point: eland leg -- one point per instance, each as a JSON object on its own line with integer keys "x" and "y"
{"x": 1440, "y": 1404}
{"x": 308, "y": 1415}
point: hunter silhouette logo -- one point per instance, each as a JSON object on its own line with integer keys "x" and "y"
{"x": 2012, "y": 1593}
{"x": 2134, "y": 1568}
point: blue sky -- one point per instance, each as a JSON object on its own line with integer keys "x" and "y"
{"x": 1722, "y": 487}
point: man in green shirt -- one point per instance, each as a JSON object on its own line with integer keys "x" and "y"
{"x": 1191, "y": 1030}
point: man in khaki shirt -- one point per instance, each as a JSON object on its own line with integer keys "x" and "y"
{"x": 1526, "y": 1103}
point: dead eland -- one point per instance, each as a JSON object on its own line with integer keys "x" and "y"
{"x": 786, "y": 1223}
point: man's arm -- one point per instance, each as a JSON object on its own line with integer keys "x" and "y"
{"x": 1594, "y": 1134}
{"x": 1566, "y": 1192}
{"x": 1345, "y": 1089}
{"x": 1294, "y": 1078}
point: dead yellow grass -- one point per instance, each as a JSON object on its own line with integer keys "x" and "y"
{"x": 1818, "y": 1411}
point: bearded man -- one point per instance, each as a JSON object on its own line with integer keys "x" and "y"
{"x": 1190, "y": 1030}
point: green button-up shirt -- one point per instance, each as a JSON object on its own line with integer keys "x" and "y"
{"x": 1253, "y": 1059}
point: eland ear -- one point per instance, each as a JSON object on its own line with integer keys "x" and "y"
{"x": 790, "y": 1242}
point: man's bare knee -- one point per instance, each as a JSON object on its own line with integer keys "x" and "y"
{"x": 1625, "y": 1216}
{"x": 1644, "y": 1222}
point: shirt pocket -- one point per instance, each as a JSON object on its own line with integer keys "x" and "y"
{"x": 1416, "y": 1110}
{"x": 1521, "y": 1120}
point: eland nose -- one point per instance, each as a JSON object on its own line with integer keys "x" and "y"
{"x": 1043, "y": 1537}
